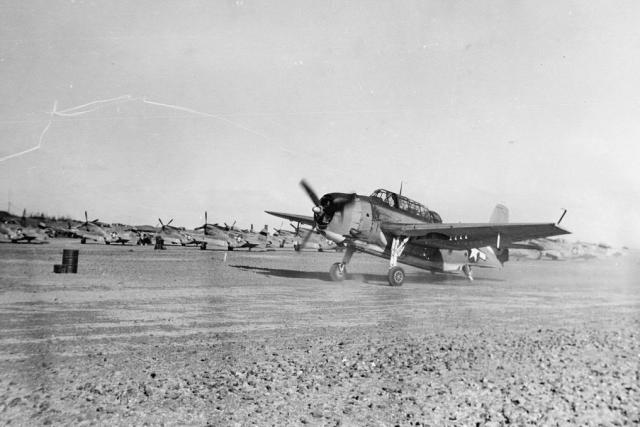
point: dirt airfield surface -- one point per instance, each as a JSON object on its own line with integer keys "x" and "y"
{"x": 184, "y": 337}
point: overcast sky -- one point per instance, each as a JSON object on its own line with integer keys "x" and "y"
{"x": 225, "y": 105}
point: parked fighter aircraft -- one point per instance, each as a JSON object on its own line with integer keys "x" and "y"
{"x": 303, "y": 238}
{"x": 392, "y": 226}
{"x": 561, "y": 249}
{"x": 173, "y": 235}
{"x": 91, "y": 230}
{"x": 245, "y": 238}
{"x": 218, "y": 237}
{"x": 19, "y": 231}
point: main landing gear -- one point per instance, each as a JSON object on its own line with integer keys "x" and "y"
{"x": 395, "y": 276}
{"x": 466, "y": 270}
{"x": 338, "y": 271}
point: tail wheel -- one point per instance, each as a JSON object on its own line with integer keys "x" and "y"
{"x": 83, "y": 241}
{"x": 396, "y": 276}
{"x": 338, "y": 272}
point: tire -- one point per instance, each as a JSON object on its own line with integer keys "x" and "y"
{"x": 296, "y": 247}
{"x": 337, "y": 274}
{"x": 203, "y": 247}
{"x": 83, "y": 241}
{"x": 396, "y": 276}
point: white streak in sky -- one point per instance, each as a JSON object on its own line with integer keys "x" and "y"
{"x": 200, "y": 113}
{"x": 46, "y": 128}
{"x": 99, "y": 104}
{"x": 89, "y": 107}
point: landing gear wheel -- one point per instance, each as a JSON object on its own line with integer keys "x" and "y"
{"x": 338, "y": 272}
{"x": 396, "y": 276}
{"x": 83, "y": 241}
{"x": 296, "y": 247}
{"x": 203, "y": 246}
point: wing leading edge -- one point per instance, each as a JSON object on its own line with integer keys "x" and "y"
{"x": 471, "y": 235}
{"x": 302, "y": 219}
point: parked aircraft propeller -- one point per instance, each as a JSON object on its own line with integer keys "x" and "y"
{"x": 165, "y": 226}
{"x": 206, "y": 225}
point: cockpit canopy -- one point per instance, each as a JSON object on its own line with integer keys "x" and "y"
{"x": 405, "y": 204}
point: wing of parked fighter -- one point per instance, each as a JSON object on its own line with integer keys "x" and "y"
{"x": 469, "y": 235}
{"x": 303, "y": 219}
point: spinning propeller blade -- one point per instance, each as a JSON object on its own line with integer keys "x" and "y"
{"x": 312, "y": 194}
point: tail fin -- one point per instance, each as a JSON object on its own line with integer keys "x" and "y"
{"x": 500, "y": 214}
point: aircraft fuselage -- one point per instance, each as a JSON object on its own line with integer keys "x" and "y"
{"x": 358, "y": 223}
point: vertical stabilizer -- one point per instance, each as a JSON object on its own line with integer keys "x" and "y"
{"x": 500, "y": 214}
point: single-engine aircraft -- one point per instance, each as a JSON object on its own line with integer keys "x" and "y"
{"x": 245, "y": 238}
{"x": 20, "y": 231}
{"x": 217, "y": 237}
{"x": 304, "y": 238}
{"x": 92, "y": 230}
{"x": 173, "y": 235}
{"x": 392, "y": 226}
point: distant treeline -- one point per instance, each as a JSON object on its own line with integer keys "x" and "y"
{"x": 44, "y": 217}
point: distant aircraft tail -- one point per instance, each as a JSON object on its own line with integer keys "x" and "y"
{"x": 500, "y": 214}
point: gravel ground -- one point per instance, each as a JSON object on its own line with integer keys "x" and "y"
{"x": 183, "y": 337}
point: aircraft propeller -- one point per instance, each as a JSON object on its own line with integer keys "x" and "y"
{"x": 295, "y": 227}
{"x": 329, "y": 204}
{"x": 317, "y": 211}
{"x": 205, "y": 225}
{"x": 85, "y": 223}
{"x": 312, "y": 194}
{"x": 163, "y": 225}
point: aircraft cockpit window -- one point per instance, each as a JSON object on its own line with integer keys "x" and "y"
{"x": 392, "y": 200}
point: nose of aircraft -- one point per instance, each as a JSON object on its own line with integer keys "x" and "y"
{"x": 325, "y": 207}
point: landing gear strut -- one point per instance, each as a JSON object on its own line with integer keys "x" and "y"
{"x": 338, "y": 271}
{"x": 466, "y": 269}
{"x": 395, "y": 276}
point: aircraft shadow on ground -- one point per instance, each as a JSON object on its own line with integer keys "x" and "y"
{"x": 373, "y": 279}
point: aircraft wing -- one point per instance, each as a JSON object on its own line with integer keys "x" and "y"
{"x": 302, "y": 219}
{"x": 470, "y": 235}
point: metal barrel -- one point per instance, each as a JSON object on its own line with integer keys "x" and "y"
{"x": 58, "y": 268}
{"x": 70, "y": 260}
